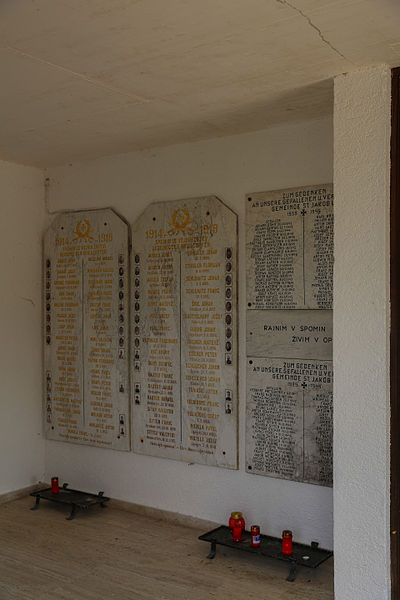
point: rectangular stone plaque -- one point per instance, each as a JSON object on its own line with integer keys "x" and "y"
{"x": 289, "y": 245}
{"x": 289, "y": 241}
{"x": 289, "y": 419}
{"x": 294, "y": 333}
{"x": 86, "y": 320}
{"x": 184, "y": 332}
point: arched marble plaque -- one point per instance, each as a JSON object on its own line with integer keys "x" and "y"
{"x": 86, "y": 321}
{"x": 184, "y": 332}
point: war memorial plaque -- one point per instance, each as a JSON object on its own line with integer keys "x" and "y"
{"x": 289, "y": 246}
{"x": 289, "y": 419}
{"x": 293, "y": 333}
{"x": 86, "y": 320}
{"x": 184, "y": 332}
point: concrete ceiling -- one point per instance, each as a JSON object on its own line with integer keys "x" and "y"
{"x": 86, "y": 78}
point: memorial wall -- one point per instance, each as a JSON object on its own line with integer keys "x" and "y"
{"x": 178, "y": 343}
{"x": 289, "y": 245}
{"x": 184, "y": 332}
{"x": 86, "y": 322}
{"x": 291, "y": 153}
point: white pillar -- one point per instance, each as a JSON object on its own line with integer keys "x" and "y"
{"x": 361, "y": 335}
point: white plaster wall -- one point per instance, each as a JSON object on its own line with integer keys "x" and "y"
{"x": 361, "y": 335}
{"x": 281, "y": 157}
{"x": 22, "y": 219}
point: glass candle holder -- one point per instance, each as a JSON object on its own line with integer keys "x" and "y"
{"x": 54, "y": 485}
{"x": 287, "y": 542}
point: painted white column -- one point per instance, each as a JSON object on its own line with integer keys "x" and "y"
{"x": 23, "y": 218}
{"x": 361, "y": 334}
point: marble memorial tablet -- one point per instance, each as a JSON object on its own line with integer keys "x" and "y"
{"x": 289, "y": 245}
{"x": 289, "y": 419}
{"x": 184, "y": 332}
{"x": 294, "y": 333}
{"x": 86, "y": 320}
{"x": 289, "y": 240}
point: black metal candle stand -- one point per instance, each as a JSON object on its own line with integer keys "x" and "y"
{"x": 73, "y": 498}
{"x": 303, "y": 555}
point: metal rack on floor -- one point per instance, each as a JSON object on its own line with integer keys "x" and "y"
{"x": 303, "y": 555}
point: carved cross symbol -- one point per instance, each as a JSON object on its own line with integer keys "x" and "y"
{"x": 304, "y": 385}
{"x": 303, "y": 212}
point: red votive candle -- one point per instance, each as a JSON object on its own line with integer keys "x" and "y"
{"x": 255, "y": 540}
{"x": 287, "y": 542}
{"x": 237, "y": 533}
{"x": 237, "y": 526}
{"x": 54, "y": 485}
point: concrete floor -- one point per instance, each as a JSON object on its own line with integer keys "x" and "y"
{"x": 105, "y": 554}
